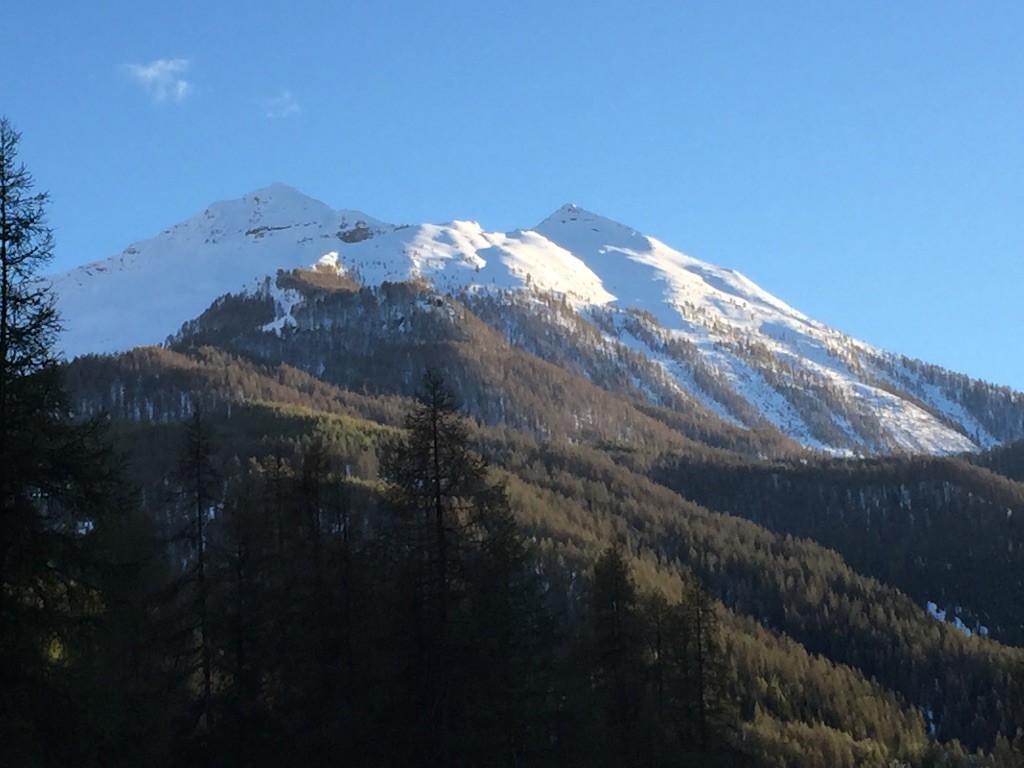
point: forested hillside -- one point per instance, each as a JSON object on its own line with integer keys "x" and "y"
{"x": 858, "y": 668}
{"x": 941, "y": 529}
{"x": 590, "y": 466}
{"x": 380, "y": 530}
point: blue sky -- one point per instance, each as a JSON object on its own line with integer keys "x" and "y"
{"x": 862, "y": 161}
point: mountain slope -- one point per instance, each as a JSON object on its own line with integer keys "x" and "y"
{"x": 376, "y": 340}
{"x": 572, "y": 500}
{"x": 659, "y": 325}
{"x": 150, "y": 288}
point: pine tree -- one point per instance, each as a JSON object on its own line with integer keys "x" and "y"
{"x": 57, "y": 489}
{"x": 711, "y": 713}
{"x": 618, "y": 653}
{"x": 454, "y": 532}
{"x": 200, "y": 480}
{"x": 238, "y": 618}
{"x": 669, "y": 643}
{"x": 30, "y": 405}
{"x": 28, "y": 319}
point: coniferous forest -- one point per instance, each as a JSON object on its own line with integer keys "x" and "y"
{"x": 210, "y": 556}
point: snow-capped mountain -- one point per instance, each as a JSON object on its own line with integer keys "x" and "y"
{"x": 145, "y": 292}
{"x": 684, "y": 334}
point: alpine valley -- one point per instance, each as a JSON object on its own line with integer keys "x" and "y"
{"x": 856, "y": 517}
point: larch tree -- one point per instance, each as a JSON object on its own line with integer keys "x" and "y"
{"x": 711, "y": 711}
{"x": 30, "y": 405}
{"x": 618, "y": 653}
{"x": 200, "y": 480}
{"x": 58, "y": 489}
{"x": 453, "y": 527}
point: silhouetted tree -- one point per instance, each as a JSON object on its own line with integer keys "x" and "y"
{"x": 61, "y": 503}
{"x": 200, "y": 482}
{"x": 465, "y": 566}
{"x": 619, "y": 653}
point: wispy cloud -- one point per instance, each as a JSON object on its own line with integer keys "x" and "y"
{"x": 163, "y": 79}
{"x": 283, "y": 105}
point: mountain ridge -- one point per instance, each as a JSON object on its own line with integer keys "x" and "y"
{"x": 701, "y": 333}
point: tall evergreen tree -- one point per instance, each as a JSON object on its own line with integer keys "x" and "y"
{"x": 200, "y": 481}
{"x": 240, "y": 624}
{"x": 31, "y": 410}
{"x": 618, "y": 654}
{"x": 58, "y": 488}
{"x": 669, "y": 647}
{"x": 432, "y": 474}
{"x": 464, "y": 568}
{"x": 710, "y": 710}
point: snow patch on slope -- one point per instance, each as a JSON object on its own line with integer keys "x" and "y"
{"x": 943, "y": 615}
{"x": 285, "y": 302}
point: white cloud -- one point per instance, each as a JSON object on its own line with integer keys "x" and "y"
{"x": 283, "y": 105}
{"x": 163, "y": 78}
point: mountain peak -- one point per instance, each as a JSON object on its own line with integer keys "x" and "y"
{"x": 277, "y": 188}
{"x": 572, "y": 215}
{"x": 570, "y": 210}
{"x": 174, "y": 276}
{"x": 278, "y": 194}
{"x": 278, "y": 206}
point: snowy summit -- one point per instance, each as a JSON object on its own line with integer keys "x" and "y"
{"x": 705, "y": 332}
